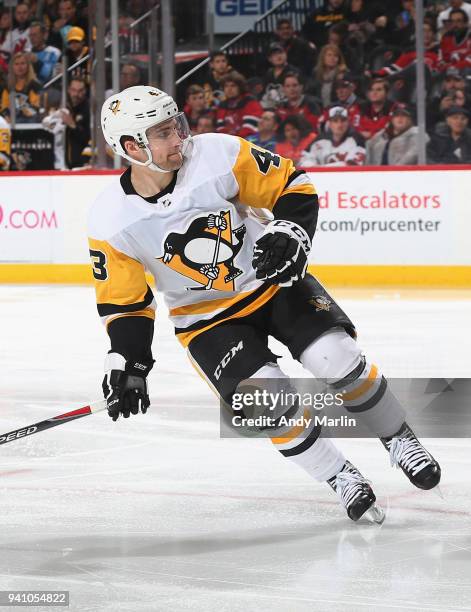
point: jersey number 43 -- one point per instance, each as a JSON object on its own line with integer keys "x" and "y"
{"x": 265, "y": 159}
{"x": 99, "y": 265}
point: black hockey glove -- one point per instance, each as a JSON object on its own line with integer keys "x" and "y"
{"x": 125, "y": 386}
{"x": 280, "y": 254}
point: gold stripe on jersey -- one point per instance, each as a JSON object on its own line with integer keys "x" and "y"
{"x": 119, "y": 279}
{"x": 260, "y": 184}
{"x": 5, "y": 141}
{"x": 186, "y": 337}
{"x": 208, "y": 305}
{"x": 145, "y": 312}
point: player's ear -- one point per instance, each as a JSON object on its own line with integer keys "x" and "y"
{"x": 131, "y": 147}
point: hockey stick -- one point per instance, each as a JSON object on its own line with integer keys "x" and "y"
{"x": 53, "y": 422}
{"x": 209, "y": 284}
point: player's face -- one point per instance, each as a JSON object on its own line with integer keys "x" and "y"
{"x": 166, "y": 142}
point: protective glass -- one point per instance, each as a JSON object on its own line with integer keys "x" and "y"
{"x": 160, "y": 132}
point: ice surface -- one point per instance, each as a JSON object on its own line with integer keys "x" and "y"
{"x": 158, "y": 513}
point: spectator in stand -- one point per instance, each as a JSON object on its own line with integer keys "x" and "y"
{"x": 376, "y": 111}
{"x": 443, "y": 20}
{"x": 401, "y": 74}
{"x": 68, "y": 18}
{"x": 330, "y": 66}
{"x": 76, "y": 118}
{"x": 17, "y": 40}
{"x": 360, "y": 18}
{"x": 455, "y": 45}
{"x": 205, "y": 125}
{"x": 274, "y": 77}
{"x": 195, "y": 105}
{"x": 5, "y": 27}
{"x": 345, "y": 95}
{"x": 296, "y": 102}
{"x": 299, "y": 52}
{"x": 239, "y": 112}
{"x": 255, "y": 87}
{"x": 396, "y": 145}
{"x": 295, "y": 135}
{"x": 442, "y": 100}
{"x": 76, "y": 50}
{"x": 5, "y": 145}
{"x": 340, "y": 145}
{"x": 268, "y": 125}
{"x": 407, "y": 59}
{"x": 5, "y": 24}
{"x": 129, "y": 76}
{"x": 451, "y": 144}
{"x": 23, "y": 82}
{"x": 403, "y": 34}
{"x": 44, "y": 58}
{"x": 219, "y": 67}
{"x": 317, "y": 24}
{"x": 451, "y": 98}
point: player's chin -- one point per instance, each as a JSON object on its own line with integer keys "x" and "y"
{"x": 175, "y": 161}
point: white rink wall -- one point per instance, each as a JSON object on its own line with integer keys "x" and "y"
{"x": 414, "y": 218}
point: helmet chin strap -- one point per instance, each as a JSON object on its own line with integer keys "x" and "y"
{"x": 150, "y": 163}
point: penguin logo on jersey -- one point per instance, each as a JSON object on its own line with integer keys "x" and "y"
{"x": 320, "y": 302}
{"x": 206, "y": 252}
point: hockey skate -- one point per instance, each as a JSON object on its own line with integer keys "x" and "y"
{"x": 408, "y": 454}
{"x": 356, "y": 494}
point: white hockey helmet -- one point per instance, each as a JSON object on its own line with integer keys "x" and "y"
{"x": 132, "y": 112}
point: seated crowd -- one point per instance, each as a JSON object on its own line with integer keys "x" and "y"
{"x": 341, "y": 91}
{"x": 33, "y": 51}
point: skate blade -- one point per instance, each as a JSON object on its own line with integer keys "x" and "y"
{"x": 438, "y": 492}
{"x": 375, "y": 514}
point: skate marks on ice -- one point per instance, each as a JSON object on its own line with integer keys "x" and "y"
{"x": 160, "y": 514}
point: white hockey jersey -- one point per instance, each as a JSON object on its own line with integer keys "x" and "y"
{"x": 196, "y": 238}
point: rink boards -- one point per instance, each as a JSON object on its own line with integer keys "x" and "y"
{"x": 376, "y": 227}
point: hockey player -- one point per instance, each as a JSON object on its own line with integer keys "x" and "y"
{"x": 225, "y": 227}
